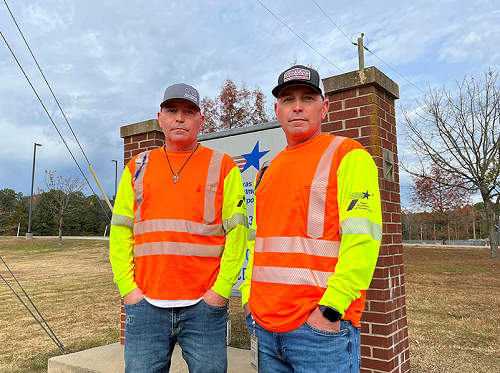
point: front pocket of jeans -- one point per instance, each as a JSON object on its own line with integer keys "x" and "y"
{"x": 215, "y": 308}
{"x": 127, "y": 305}
{"x": 340, "y": 333}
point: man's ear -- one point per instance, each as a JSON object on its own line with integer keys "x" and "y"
{"x": 202, "y": 120}
{"x": 158, "y": 116}
{"x": 326, "y": 105}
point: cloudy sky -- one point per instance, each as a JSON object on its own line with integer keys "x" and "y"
{"x": 108, "y": 63}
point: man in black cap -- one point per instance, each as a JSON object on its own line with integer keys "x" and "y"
{"x": 177, "y": 243}
{"x": 314, "y": 240}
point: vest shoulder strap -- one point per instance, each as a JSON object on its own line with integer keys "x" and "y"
{"x": 140, "y": 161}
{"x": 262, "y": 171}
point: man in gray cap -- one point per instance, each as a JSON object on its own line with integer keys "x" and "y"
{"x": 177, "y": 243}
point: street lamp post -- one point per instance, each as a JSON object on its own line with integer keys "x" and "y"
{"x": 29, "y": 235}
{"x": 116, "y": 171}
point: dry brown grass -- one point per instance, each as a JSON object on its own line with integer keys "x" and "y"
{"x": 72, "y": 287}
{"x": 453, "y": 302}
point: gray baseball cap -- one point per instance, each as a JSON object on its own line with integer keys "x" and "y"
{"x": 181, "y": 91}
{"x": 299, "y": 74}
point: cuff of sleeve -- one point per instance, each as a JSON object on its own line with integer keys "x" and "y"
{"x": 223, "y": 287}
{"x": 126, "y": 286}
{"x": 245, "y": 294}
{"x": 341, "y": 303}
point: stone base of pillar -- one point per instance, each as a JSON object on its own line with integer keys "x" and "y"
{"x": 29, "y": 236}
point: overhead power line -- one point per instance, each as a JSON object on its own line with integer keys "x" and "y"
{"x": 52, "y": 121}
{"x": 48, "y": 85}
{"x": 350, "y": 40}
{"x": 402, "y": 76}
{"x": 60, "y": 108}
{"x": 310, "y": 46}
{"x": 331, "y": 21}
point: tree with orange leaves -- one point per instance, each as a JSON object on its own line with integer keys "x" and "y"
{"x": 234, "y": 107}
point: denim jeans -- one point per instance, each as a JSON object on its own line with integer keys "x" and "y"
{"x": 307, "y": 349}
{"x": 151, "y": 333}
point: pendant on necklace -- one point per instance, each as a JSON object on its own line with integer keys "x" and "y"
{"x": 175, "y": 178}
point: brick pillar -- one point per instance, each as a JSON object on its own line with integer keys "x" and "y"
{"x": 141, "y": 136}
{"x": 138, "y": 137}
{"x": 362, "y": 107}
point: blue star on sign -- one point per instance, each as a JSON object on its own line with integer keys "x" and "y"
{"x": 254, "y": 157}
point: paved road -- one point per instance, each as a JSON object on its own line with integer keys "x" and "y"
{"x": 68, "y": 237}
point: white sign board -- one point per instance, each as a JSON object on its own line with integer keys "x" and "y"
{"x": 250, "y": 147}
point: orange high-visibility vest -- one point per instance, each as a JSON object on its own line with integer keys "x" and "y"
{"x": 178, "y": 228}
{"x": 298, "y": 234}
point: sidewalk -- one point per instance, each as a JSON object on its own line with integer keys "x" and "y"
{"x": 109, "y": 359}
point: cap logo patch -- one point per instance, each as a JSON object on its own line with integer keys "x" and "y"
{"x": 191, "y": 94}
{"x": 297, "y": 74}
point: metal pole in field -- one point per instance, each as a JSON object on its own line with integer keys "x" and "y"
{"x": 116, "y": 171}
{"x": 30, "y": 234}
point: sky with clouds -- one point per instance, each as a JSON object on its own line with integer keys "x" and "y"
{"x": 108, "y": 63}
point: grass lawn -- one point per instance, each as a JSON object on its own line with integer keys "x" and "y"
{"x": 453, "y": 304}
{"x": 453, "y": 309}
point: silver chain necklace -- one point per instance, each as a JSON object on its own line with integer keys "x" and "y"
{"x": 176, "y": 175}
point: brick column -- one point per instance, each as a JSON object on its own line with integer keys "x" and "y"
{"x": 362, "y": 107}
{"x": 138, "y": 137}
{"x": 141, "y": 136}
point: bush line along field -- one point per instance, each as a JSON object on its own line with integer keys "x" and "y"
{"x": 453, "y": 303}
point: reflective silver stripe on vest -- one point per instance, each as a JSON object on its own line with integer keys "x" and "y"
{"x": 140, "y": 168}
{"x": 361, "y": 226}
{"x": 297, "y": 245}
{"x": 317, "y": 198}
{"x": 126, "y": 221}
{"x": 177, "y": 225}
{"x": 237, "y": 219}
{"x": 291, "y": 276}
{"x": 252, "y": 234}
{"x": 178, "y": 248}
{"x": 211, "y": 187}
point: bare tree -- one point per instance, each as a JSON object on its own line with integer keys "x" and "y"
{"x": 460, "y": 133}
{"x": 62, "y": 190}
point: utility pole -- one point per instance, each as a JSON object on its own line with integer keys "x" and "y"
{"x": 361, "y": 55}
{"x": 116, "y": 169}
{"x": 474, "y": 222}
{"x": 29, "y": 235}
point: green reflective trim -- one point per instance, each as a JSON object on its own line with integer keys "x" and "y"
{"x": 361, "y": 226}
{"x": 236, "y": 219}
{"x": 126, "y": 221}
{"x": 252, "y": 234}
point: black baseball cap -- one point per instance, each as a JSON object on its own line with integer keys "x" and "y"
{"x": 299, "y": 74}
{"x": 181, "y": 91}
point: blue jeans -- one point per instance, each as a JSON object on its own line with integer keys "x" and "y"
{"x": 151, "y": 333}
{"x": 307, "y": 349}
